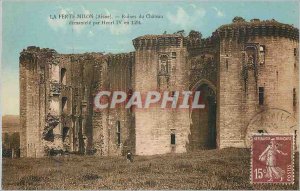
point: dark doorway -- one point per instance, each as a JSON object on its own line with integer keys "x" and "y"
{"x": 203, "y": 127}
{"x": 212, "y": 133}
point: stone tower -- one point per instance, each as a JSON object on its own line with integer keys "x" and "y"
{"x": 258, "y": 80}
{"x": 39, "y": 103}
{"x": 160, "y": 65}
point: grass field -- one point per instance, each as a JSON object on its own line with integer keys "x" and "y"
{"x": 210, "y": 169}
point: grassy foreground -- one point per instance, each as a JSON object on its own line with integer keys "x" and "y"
{"x": 210, "y": 169}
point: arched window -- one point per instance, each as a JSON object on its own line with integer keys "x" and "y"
{"x": 262, "y": 51}
{"x": 164, "y": 65}
{"x": 65, "y": 133}
{"x": 63, "y": 76}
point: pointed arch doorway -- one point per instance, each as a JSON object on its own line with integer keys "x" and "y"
{"x": 203, "y": 121}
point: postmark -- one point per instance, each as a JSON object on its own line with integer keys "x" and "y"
{"x": 274, "y": 121}
{"x": 272, "y": 159}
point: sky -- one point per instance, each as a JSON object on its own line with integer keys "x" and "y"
{"x": 28, "y": 24}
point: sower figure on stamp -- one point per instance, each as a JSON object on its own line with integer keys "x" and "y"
{"x": 269, "y": 156}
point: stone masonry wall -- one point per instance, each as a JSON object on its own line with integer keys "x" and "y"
{"x": 34, "y": 72}
{"x": 154, "y": 125}
{"x": 239, "y": 100}
{"x": 249, "y": 68}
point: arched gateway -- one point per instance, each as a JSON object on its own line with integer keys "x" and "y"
{"x": 203, "y": 121}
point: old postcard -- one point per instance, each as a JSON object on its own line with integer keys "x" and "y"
{"x": 150, "y": 95}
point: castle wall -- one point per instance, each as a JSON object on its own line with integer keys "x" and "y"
{"x": 230, "y": 92}
{"x": 247, "y": 73}
{"x": 78, "y": 90}
{"x": 34, "y": 71}
{"x": 52, "y": 131}
{"x": 118, "y": 133}
{"x": 99, "y": 119}
{"x": 23, "y": 107}
{"x": 241, "y": 80}
{"x": 154, "y": 125}
{"x": 279, "y": 76}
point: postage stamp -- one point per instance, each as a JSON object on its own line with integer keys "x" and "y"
{"x": 272, "y": 159}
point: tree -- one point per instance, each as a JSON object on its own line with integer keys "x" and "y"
{"x": 15, "y": 141}
{"x": 6, "y": 142}
{"x": 195, "y": 34}
{"x": 238, "y": 19}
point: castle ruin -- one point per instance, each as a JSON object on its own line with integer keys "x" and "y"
{"x": 247, "y": 72}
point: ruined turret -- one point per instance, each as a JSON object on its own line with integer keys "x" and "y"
{"x": 35, "y": 67}
{"x": 258, "y": 71}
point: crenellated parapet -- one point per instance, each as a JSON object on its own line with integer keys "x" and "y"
{"x": 241, "y": 28}
{"x": 205, "y": 45}
{"x": 159, "y": 41}
{"x": 120, "y": 57}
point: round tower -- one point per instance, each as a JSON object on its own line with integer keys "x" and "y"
{"x": 160, "y": 65}
{"x": 258, "y": 80}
